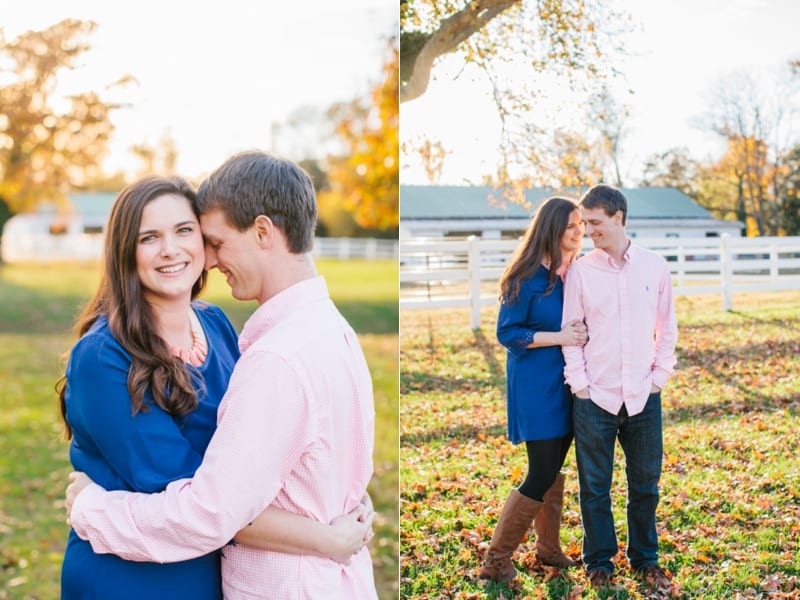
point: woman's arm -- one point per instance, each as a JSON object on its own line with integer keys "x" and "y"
{"x": 571, "y": 334}
{"x": 278, "y": 530}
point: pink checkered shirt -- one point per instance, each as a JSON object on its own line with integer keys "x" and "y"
{"x": 295, "y": 429}
{"x": 630, "y": 316}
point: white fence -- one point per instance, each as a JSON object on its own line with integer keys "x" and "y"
{"x": 346, "y": 248}
{"x": 44, "y": 247}
{"x": 457, "y": 274}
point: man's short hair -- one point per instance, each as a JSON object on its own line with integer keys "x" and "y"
{"x": 607, "y": 197}
{"x": 255, "y": 183}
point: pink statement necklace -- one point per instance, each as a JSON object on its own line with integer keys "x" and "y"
{"x": 195, "y": 355}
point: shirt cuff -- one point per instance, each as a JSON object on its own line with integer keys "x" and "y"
{"x": 660, "y": 378}
{"x": 520, "y": 346}
{"x": 90, "y": 497}
{"x": 576, "y": 386}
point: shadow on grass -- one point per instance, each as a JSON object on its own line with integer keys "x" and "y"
{"x": 488, "y": 350}
{"x": 31, "y": 311}
{"x": 725, "y": 365}
{"x": 417, "y": 381}
{"x": 787, "y": 322}
{"x": 456, "y": 431}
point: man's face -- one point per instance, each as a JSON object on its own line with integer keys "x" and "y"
{"x": 235, "y": 253}
{"x": 602, "y": 229}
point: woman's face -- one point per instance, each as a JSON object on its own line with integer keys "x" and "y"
{"x": 169, "y": 249}
{"x": 572, "y": 237}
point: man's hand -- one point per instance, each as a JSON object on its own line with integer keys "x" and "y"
{"x": 78, "y": 481}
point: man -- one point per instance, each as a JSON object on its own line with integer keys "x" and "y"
{"x": 624, "y": 294}
{"x": 295, "y": 428}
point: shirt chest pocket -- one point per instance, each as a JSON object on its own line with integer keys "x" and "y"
{"x": 644, "y": 295}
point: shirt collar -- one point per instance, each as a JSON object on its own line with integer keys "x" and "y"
{"x": 294, "y": 298}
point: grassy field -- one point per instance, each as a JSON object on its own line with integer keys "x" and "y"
{"x": 37, "y": 307}
{"x": 729, "y": 517}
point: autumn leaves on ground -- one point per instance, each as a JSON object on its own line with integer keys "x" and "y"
{"x": 729, "y": 517}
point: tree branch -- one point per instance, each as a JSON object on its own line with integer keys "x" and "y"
{"x": 452, "y": 31}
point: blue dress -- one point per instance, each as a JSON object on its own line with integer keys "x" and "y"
{"x": 141, "y": 453}
{"x": 538, "y": 401}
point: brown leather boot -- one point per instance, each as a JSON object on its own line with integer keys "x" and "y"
{"x": 548, "y": 525}
{"x": 515, "y": 519}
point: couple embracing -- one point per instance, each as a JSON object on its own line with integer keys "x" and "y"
{"x": 590, "y": 344}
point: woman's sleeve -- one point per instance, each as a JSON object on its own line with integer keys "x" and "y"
{"x": 513, "y": 330}
{"x": 146, "y": 451}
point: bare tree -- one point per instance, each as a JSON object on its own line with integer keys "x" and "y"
{"x": 752, "y": 116}
{"x": 529, "y": 50}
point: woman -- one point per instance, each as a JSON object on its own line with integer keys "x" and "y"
{"x": 538, "y": 402}
{"x": 141, "y": 390}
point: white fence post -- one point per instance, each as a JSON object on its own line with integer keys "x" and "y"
{"x": 773, "y": 263}
{"x": 344, "y": 248}
{"x": 474, "y": 267}
{"x": 681, "y": 265}
{"x": 726, "y": 272}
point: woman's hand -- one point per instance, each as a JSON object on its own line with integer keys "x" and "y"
{"x": 352, "y": 531}
{"x": 574, "y": 334}
{"x": 78, "y": 481}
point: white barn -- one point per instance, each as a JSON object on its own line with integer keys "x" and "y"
{"x": 461, "y": 211}
{"x": 50, "y": 236}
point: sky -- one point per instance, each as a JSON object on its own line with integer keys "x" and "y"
{"x": 216, "y": 77}
{"x": 675, "y": 51}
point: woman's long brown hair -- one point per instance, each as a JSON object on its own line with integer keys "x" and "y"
{"x": 130, "y": 318}
{"x": 542, "y": 240}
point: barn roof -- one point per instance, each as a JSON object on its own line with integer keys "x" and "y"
{"x": 428, "y": 202}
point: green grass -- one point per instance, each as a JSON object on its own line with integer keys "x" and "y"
{"x": 38, "y": 304}
{"x": 729, "y": 516}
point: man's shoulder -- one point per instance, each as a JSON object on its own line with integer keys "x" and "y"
{"x": 651, "y": 256}
{"x": 297, "y": 329}
{"x": 588, "y": 260}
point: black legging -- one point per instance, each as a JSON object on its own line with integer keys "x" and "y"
{"x": 545, "y": 459}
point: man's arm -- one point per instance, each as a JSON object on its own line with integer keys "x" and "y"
{"x": 278, "y": 530}
{"x": 666, "y": 334}
{"x": 264, "y": 426}
{"x": 575, "y": 363}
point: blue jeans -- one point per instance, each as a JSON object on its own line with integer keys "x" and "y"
{"x": 640, "y": 436}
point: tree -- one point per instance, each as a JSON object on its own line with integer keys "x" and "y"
{"x": 162, "y": 158}
{"x": 609, "y": 117}
{"x": 526, "y": 48}
{"x": 368, "y": 177}
{"x": 791, "y": 205}
{"x": 559, "y": 35}
{"x": 431, "y": 153}
{"x": 673, "y": 168}
{"x": 45, "y": 151}
{"x": 751, "y": 117}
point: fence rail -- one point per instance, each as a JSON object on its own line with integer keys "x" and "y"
{"x": 46, "y": 247}
{"x": 464, "y": 273}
